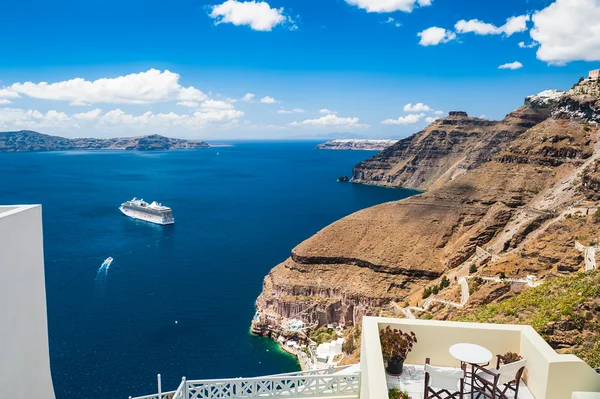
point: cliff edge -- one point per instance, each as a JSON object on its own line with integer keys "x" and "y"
{"x": 499, "y": 193}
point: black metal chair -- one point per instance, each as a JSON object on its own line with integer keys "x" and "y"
{"x": 501, "y": 382}
{"x": 444, "y": 383}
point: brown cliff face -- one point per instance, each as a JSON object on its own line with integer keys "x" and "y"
{"x": 514, "y": 185}
{"x": 382, "y": 254}
{"x": 445, "y": 149}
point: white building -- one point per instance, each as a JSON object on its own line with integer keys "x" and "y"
{"x": 328, "y": 350}
{"x": 595, "y": 74}
{"x": 24, "y": 356}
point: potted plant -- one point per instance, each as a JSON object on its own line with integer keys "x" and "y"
{"x": 395, "y": 346}
{"x": 511, "y": 357}
{"x": 396, "y": 393}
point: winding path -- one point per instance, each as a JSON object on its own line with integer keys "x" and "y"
{"x": 531, "y": 281}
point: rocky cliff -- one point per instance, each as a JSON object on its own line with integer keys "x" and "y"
{"x": 502, "y": 199}
{"x": 27, "y": 141}
{"x": 446, "y": 149}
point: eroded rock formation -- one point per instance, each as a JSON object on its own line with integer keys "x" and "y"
{"x": 499, "y": 185}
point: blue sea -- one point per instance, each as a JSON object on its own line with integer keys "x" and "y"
{"x": 177, "y": 300}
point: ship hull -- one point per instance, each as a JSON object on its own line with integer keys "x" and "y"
{"x": 145, "y": 217}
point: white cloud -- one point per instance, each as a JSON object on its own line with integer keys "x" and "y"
{"x": 216, "y": 104}
{"x": 190, "y": 94}
{"x": 475, "y": 26}
{"x": 530, "y": 45}
{"x": 329, "y": 120}
{"x": 88, "y": 116}
{"x": 568, "y": 30}
{"x": 5, "y": 93}
{"x": 438, "y": 112}
{"x": 391, "y": 20}
{"x": 136, "y": 88}
{"x": 418, "y": 107}
{"x": 258, "y": 15}
{"x": 431, "y": 119}
{"x": 4, "y": 101}
{"x": 511, "y": 65}
{"x": 404, "y": 120}
{"x": 247, "y": 97}
{"x": 512, "y": 25}
{"x": 326, "y": 111}
{"x": 16, "y": 118}
{"x": 435, "y": 35}
{"x": 291, "y": 111}
{"x": 389, "y": 5}
{"x": 515, "y": 24}
{"x": 268, "y": 100}
{"x": 218, "y": 115}
{"x": 189, "y": 104}
{"x": 197, "y": 120}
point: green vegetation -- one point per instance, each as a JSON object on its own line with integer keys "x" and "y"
{"x": 445, "y": 282}
{"x": 351, "y": 339}
{"x": 426, "y": 293}
{"x": 473, "y": 268}
{"x": 396, "y": 393}
{"x": 511, "y": 357}
{"x": 502, "y": 275}
{"x": 586, "y": 128}
{"x": 573, "y": 299}
{"x": 323, "y": 334}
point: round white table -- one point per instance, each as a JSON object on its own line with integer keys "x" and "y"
{"x": 471, "y": 353}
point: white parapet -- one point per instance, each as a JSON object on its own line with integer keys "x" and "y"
{"x": 24, "y": 356}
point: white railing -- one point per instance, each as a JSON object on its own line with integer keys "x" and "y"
{"x": 164, "y": 395}
{"x": 303, "y": 384}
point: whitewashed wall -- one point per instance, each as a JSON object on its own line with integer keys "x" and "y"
{"x": 24, "y": 357}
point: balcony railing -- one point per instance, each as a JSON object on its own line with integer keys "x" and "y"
{"x": 331, "y": 382}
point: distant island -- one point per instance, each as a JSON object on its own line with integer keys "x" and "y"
{"x": 30, "y": 141}
{"x": 356, "y": 144}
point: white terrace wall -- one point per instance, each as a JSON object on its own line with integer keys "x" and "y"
{"x": 549, "y": 375}
{"x": 24, "y": 358}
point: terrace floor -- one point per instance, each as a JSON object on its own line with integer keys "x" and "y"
{"x": 412, "y": 381}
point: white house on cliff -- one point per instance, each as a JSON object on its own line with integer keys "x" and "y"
{"x": 595, "y": 74}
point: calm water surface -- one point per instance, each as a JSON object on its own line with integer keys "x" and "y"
{"x": 177, "y": 300}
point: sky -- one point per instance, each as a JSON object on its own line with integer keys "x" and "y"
{"x": 278, "y": 69}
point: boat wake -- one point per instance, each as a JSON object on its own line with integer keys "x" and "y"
{"x": 103, "y": 271}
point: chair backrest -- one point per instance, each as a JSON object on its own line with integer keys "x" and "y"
{"x": 508, "y": 372}
{"x": 444, "y": 378}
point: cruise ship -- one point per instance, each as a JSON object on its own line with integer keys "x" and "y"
{"x": 153, "y": 213}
